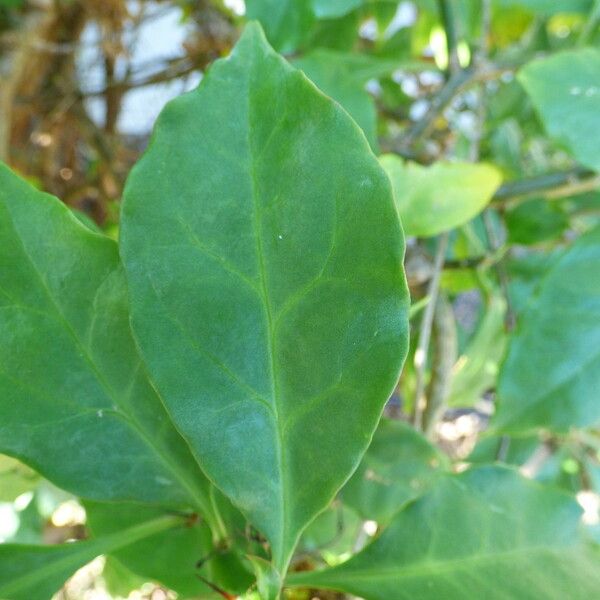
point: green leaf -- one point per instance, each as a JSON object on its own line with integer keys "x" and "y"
{"x": 551, "y": 375}
{"x": 15, "y": 478}
{"x": 486, "y": 533}
{"x": 287, "y": 23}
{"x": 535, "y": 221}
{"x": 476, "y": 370}
{"x": 399, "y": 465}
{"x": 440, "y": 197}
{"x": 330, "y": 9}
{"x": 333, "y": 532}
{"x": 548, "y": 8}
{"x": 565, "y": 91}
{"x": 75, "y": 402}
{"x": 339, "y": 34}
{"x": 526, "y": 272}
{"x": 170, "y": 557}
{"x": 343, "y": 76}
{"x": 36, "y": 572}
{"x": 264, "y": 258}
{"x": 268, "y": 580}
{"x": 119, "y": 580}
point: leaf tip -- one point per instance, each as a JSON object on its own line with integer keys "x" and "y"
{"x": 253, "y": 35}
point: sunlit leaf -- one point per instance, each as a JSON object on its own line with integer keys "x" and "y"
{"x": 264, "y": 257}
{"x": 440, "y": 197}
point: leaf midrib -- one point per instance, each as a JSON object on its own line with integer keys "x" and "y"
{"x": 281, "y": 559}
{"x": 423, "y": 569}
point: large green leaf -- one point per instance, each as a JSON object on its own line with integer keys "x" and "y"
{"x": 399, "y": 465}
{"x": 438, "y": 198}
{"x": 75, "y": 402}
{"x": 36, "y": 572}
{"x": 264, "y": 258}
{"x": 565, "y": 90}
{"x": 487, "y": 533}
{"x": 551, "y": 375}
{"x": 175, "y": 557}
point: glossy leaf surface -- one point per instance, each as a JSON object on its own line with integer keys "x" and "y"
{"x": 399, "y": 465}
{"x": 565, "y": 91}
{"x": 486, "y": 533}
{"x": 75, "y": 402}
{"x": 437, "y": 198}
{"x": 551, "y": 375}
{"x": 36, "y": 572}
{"x": 264, "y": 258}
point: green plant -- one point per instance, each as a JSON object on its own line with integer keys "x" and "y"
{"x": 212, "y": 386}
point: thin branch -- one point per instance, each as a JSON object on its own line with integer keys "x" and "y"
{"x": 39, "y": 45}
{"x": 445, "y": 354}
{"x": 420, "y": 360}
{"x": 458, "y": 83}
{"x": 172, "y": 72}
{"x": 555, "y": 185}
